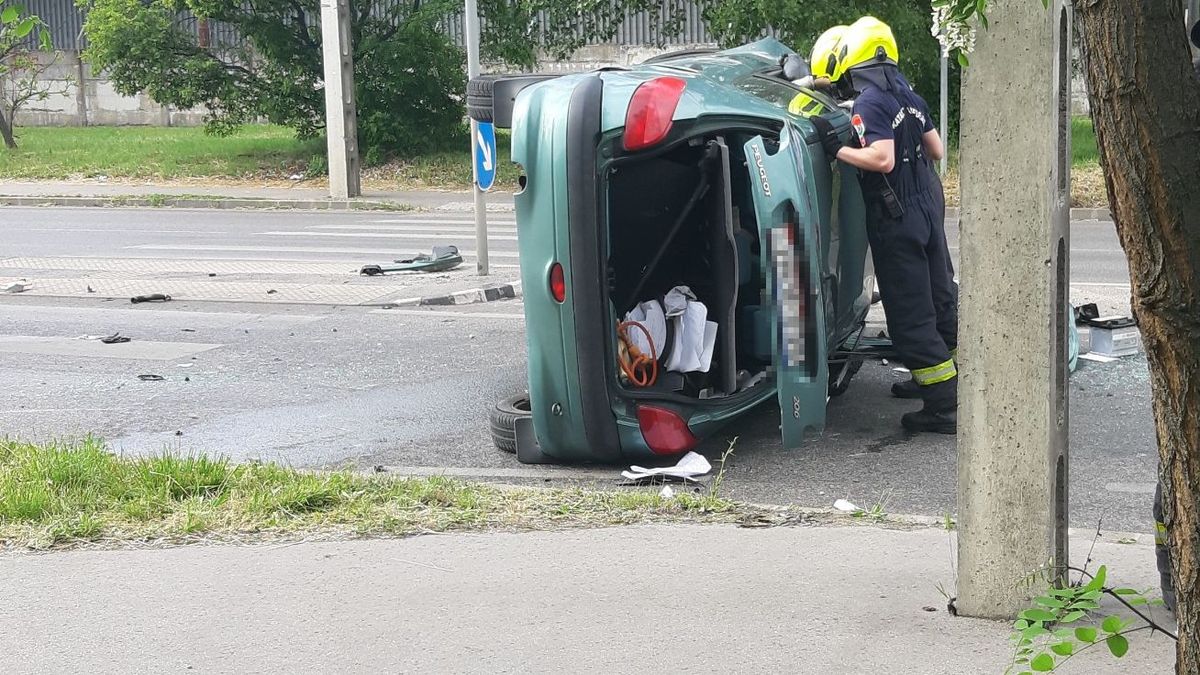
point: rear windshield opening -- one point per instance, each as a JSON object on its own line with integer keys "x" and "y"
{"x": 686, "y": 219}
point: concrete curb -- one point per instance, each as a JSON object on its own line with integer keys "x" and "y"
{"x": 202, "y": 202}
{"x": 1076, "y": 214}
{"x": 470, "y": 296}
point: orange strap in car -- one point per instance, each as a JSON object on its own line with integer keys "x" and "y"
{"x": 641, "y": 370}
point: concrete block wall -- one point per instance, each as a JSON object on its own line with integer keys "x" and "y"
{"x": 105, "y": 107}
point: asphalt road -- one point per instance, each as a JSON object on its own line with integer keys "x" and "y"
{"x": 317, "y": 374}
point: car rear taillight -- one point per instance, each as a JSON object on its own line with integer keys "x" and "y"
{"x": 558, "y": 283}
{"x": 664, "y": 430}
{"x": 651, "y": 109}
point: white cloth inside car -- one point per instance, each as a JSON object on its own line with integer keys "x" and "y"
{"x": 694, "y": 337}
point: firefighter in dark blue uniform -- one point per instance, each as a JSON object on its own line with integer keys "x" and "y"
{"x": 896, "y": 143}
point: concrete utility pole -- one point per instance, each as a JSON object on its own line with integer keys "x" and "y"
{"x": 341, "y": 114}
{"x": 944, "y": 111}
{"x": 1013, "y": 416}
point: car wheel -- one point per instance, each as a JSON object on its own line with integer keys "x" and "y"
{"x": 480, "y": 101}
{"x": 504, "y": 421}
{"x": 849, "y": 367}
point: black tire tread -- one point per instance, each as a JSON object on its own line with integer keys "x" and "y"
{"x": 503, "y": 421}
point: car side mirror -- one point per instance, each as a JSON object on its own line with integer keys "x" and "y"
{"x": 795, "y": 67}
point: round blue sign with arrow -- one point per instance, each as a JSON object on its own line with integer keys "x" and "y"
{"x": 485, "y": 155}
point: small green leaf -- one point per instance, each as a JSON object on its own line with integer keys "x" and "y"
{"x": 1085, "y": 634}
{"x": 1097, "y": 583}
{"x": 1112, "y": 624}
{"x": 1064, "y": 633}
{"x": 1045, "y": 4}
{"x": 1050, "y": 602}
{"x": 1034, "y": 631}
{"x": 1158, "y": 602}
{"x": 1085, "y": 604}
{"x": 25, "y": 27}
{"x": 1036, "y": 614}
{"x": 963, "y": 60}
{"x": 44, "y": 40}
{"x": 1126, "y": 591}
{"x": 1138, "y": 601}
{"x": 1118, "y": 645}
{"x": 1044, "y": 663}
{"x": 983, "y": 20}
{"x": 9, "y": 15}
{"x": 1020, "y": 624}
{"x": 1090, "y": 595}
{"x": 1073, "y": 617}
{"x": 1063, "y": 648}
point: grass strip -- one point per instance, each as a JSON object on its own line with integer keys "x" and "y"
{"x": 73, "y": 494}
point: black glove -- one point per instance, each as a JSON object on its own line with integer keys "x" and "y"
{"x": 828, "y": 137}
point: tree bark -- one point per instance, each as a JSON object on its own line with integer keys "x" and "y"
{"x": 1146, "y": 110}
{"x": 6, "y": 132}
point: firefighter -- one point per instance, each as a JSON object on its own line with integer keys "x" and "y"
{"x": 897, "y": 142}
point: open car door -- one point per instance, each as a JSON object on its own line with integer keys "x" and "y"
{"x": 791, "y": 250}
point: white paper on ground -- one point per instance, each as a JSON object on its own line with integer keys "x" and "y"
{"x": 1098, "y": 358}
{"x": 691, "y": 465}
{"x": 843, "y": 505}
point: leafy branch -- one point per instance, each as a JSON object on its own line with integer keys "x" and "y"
{"x": 1043, "y": 636}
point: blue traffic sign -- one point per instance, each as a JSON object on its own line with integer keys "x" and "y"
{"x": 485, "y": 155}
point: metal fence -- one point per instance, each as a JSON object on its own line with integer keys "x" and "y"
{"x": 65, "y": 20}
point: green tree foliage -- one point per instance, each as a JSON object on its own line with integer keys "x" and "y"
{"x": 799, "y": 22}
{"x": 408, "y": 75}
{"x": 22, "y": 35}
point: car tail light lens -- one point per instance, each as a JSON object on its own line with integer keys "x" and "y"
{"x": 648, "y": 119}
{"x": 664, "y": 430}
{"x": 558, "y": 283}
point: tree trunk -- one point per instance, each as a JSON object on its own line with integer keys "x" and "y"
{"x": 6, "y": 132}
{"x": 1146, "y": 109}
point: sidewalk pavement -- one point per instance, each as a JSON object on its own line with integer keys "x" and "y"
{"x": 95, "y": 193}
{"x": 825, "y": 600}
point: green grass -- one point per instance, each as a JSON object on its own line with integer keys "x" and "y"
{"x": 62, "y": 495}
{"x": 1083, "y": 142}
{"x": 155, "y": 153}
{"x": 255, "y": 153}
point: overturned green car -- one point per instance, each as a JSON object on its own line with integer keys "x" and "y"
{"x": 697, "y": 171}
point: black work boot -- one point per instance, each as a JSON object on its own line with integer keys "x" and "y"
{"x": 906, "y": 389}
{"x": 943, "y": 422}
{"x": 940, "y": 412}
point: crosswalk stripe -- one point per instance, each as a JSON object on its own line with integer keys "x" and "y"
{"x": 440, "y": 221}
{"x": 378, "y": 251}
{"x": 420, "y": 228}
{"x": 382, "y": 235}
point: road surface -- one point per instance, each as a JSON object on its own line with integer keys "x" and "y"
{"x": 318, "y": 373}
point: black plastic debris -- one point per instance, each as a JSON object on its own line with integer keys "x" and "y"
{"x": 440, "y": 259}
{"x": 153, "y": 297}
{"x": 115, "y": 339}
{"x": 151, "y": 378}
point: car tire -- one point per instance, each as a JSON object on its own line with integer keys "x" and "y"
{"x": 850, "y": 367}
{"x": 480, "y": 101}
{"x": 504, "y": 421}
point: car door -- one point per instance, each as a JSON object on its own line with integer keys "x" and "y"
{"x": 791, "y": 260}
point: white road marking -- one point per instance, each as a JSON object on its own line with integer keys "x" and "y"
{"x": 446, "y": 313}
{"x": 295, "y": 249}
{"x": 384, "y": 235}
{"x": 440, "y": 221}
{"x": 419, "y": 228}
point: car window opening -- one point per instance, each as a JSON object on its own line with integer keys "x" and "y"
{"x": 686, "y": 218}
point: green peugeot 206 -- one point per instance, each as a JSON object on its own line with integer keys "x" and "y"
{"x": 687, "y": 252}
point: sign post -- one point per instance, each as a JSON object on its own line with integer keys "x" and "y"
{"x": 483, "y": 148}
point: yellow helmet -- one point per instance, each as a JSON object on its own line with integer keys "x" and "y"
{"x": 865, "y": 42}
{"x": 824, "y": 52}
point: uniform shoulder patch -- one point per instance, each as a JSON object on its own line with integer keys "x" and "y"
{"x": 860, "y": 129}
